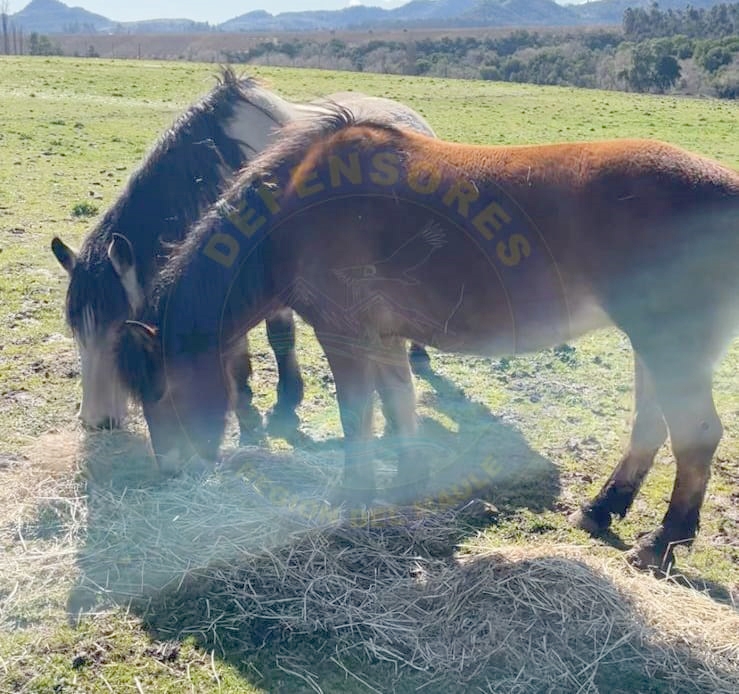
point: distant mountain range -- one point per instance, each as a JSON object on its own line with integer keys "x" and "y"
{"x": 54, "y": 17}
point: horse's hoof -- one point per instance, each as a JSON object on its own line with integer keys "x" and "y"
{"x": 351, "y": 497}
{"x": 282, "y": 422}
{"x": 405, "y": 491}
{"x": 650, "y": 554}
{"x": 250, "y": 422}
{"x": 198, "y": 467}
{"x": 479, "y": 511}
{"x": 593, "y": 524}
{"x": 170, "y": 464}
{"x": 356, "y": 487}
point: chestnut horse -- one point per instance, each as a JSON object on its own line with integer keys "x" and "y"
{"x": 373, "y": 234}
{"x": 185, "y": 172}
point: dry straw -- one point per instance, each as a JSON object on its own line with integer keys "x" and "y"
{"x": 256, "y": 557}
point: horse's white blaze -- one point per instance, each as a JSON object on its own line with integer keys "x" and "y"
{"x": 134, "y": 291}
{"x": 104, "y": 400}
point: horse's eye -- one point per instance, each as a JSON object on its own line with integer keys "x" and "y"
{"x": 370, "y": 270}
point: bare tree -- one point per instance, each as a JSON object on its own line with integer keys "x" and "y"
{"x": 4, "y": 18}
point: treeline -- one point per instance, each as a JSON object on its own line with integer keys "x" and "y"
{"x": 707, "y": 40}
{"x": 693, "y": 51}
{"x": 716, "y": 22}
{"x": 523, "y": 56}
{"x": 688, "y": 51}
{"x": 12, "y": 36}
{"x": 14, "y": 42}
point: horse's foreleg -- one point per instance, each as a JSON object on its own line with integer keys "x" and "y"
{"x": 394, "y": 383}
{"x": 354, "y": 380}
{"x": 240, "y": 371}
{"x": 685, "y": 394}
{"x": 281, "y": 336}
{"x": 648, "y": 434}
{"x": 419, "y": 357}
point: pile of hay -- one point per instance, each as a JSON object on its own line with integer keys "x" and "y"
{"x": 259, "y": 558}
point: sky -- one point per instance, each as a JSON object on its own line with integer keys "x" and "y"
{"x": 215, "y": 11}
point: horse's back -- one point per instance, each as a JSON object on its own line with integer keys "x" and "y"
{"x": 383, "y": 110}
{"x": 634, "y": 229}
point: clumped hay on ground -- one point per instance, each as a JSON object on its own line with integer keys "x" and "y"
{"x": 42, "y": 518}
{"x": 258, "y": 558}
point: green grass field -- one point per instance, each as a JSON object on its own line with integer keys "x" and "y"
{"x": 71, "y": 131}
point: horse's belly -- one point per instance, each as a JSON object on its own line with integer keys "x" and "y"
{"x": 576, "y": 320}
{"x": 508, "y": 330}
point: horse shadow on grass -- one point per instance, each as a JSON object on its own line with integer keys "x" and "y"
{"x": 470, "y": 451}
{"x": 486, "y": 456}
{"x": 483, "y": 457}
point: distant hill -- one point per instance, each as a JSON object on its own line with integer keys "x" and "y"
{"x": 54, "y": 17}
{"x": 415, "y": 14}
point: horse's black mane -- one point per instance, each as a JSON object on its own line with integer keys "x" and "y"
{"x": 292, "y": 142}
{"x": 182, "y": 174}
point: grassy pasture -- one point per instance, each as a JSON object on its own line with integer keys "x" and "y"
{"x": 71, "y": 131}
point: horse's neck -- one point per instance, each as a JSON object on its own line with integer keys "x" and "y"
{"x": 255, "y": 120}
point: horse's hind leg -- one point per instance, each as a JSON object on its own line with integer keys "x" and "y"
{"x": 394, "y": 383}
{"x": 684, "y": 389}
{"x": 281, "y": 336}
{"x": 648, "y": 434}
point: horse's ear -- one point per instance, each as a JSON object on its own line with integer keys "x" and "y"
{"x": 64, "y": 254}
{"x": 140, "y": 362}
{"x": 120, "y": 252}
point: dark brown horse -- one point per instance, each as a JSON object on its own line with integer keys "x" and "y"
{"x": 374, "y": 234}
{"x": 185, "y": 172}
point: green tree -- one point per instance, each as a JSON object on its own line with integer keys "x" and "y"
{"x": 715, "y": 58}
{"x": 39, "y": 44}
{"x": 666, "y": 72}
{"x": 651, "y": 69}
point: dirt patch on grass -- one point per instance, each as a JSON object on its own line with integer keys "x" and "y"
{"x": 56, "y": 452}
